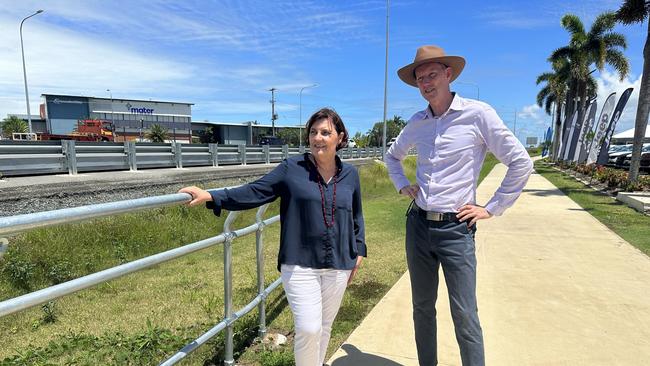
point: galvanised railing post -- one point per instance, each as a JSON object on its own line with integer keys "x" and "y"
{"x": 349, "y": 152}
{"x": 267, "y": 154}
{"x": 302, "y": 149}
{"x": 68, "y": 147}
{"x": 214, "y": 154}
{"x": 129, "y": 149}
{"x": 227, "y": 287}
{"x": 242, "y": 154}
{"x": 259, "y": 251}
{"x": 177, "y": 149}
{"x": 4, "y": 246}
{"x": 285, "y": 151}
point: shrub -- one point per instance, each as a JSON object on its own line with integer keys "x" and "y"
{"x": 60, "y": 272}
{"x": 19, "y": 272}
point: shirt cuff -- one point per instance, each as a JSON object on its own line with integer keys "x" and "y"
{"x": 215, "y": 204}
{"x": 493, "y": 208}
{"x": 401, "y": 183}
{"x": 362, "y": 250}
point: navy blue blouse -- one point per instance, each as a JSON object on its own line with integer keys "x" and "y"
{"x": 305, "y": 240}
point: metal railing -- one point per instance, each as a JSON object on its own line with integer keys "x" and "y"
{"x": 73, "y": 157}
{"x": 20, "y": 223}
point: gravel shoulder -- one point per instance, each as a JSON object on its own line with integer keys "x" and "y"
{"x": 23, "y": 195}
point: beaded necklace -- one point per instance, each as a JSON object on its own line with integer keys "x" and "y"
{"x": 322, "y": 196}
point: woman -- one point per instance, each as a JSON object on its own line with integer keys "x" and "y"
{"x": 322, "y": 230}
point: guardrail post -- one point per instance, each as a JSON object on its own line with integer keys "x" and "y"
{"x": 68, "y": 147}
{"x": 214, "y": 154}
{"x": 259, "y": 251}
{"x": 227, "y": 287}
{"x": 177, "y": 150}
{"x": 301, "y": 149}
{"x": 349, "y": 152}
{"x": 129, "y": 150}
{"x": 4, "y": 246}
{"x": 359, "y": 152}
{"x": 267, "y": 153}
{"x": 242, "y": 154}
{"x": 285, "y": 151}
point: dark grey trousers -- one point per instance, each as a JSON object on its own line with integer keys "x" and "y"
{"x": 430, "y": 244}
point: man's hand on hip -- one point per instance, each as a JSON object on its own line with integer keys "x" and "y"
{"x": 473, "y": 213}
{"x": 410, "y": 191}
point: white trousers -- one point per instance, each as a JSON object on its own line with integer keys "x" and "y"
{"x": 314, "y": 296}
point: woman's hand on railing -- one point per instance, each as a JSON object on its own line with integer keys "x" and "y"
{"x": 198, "y": 195}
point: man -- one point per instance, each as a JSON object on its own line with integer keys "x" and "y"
{"x": 452, "y": 136}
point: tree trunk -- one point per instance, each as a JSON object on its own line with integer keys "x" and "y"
{"x": 642, "y": 111}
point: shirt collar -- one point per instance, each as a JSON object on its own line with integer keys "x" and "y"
{"x": 339, "y": 163}
{"x": 457, "y": 104}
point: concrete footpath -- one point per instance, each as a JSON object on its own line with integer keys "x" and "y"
{"x": 555, "y": 288}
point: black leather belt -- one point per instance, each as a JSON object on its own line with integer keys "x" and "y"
{"x": 435, "y": 216}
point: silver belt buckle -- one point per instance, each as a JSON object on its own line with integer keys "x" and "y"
{"x": 434, "y": 216}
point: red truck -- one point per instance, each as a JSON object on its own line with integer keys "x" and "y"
{"x": 87, "y": 130}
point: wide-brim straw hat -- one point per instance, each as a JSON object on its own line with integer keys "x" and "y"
{"x": 426, "y": 54}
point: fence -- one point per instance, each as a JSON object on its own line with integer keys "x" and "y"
{"x": 20, "y": 223}
{"x": 72, "y": 157}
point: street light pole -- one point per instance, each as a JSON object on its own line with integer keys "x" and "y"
{"x": 383, "y": 141}
{"x": 22, "y": 51}
{"x": 273, "y": 115}
{"x": 300, "y": 95}
{"x": 112, "y": 111}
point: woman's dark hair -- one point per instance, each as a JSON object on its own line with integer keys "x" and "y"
{"x": 332, "y": 116}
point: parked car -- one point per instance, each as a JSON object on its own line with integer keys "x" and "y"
{"x": 271, "y": 140}
{"x": 623, "y": 161}
{"x": 615, "y": 152}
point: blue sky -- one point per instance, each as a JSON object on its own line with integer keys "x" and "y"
{"x": 223, "y": 56}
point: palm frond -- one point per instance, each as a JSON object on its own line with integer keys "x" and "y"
{"x": 633, "y": 11}
{"x": 573, "y": 24}
{"x": 619, "y": 62}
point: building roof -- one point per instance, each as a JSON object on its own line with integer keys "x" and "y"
{"x": 630, "y": 134}
{"x": 114, "y": 98}
{"x": 241, "y": 124}
{"x": 24, "y": 116}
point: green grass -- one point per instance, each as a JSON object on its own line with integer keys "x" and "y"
{"x": 626, "y": 222}
{"x": 144, "y": 317}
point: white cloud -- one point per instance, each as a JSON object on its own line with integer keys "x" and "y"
{"x": 535, "y": 121}
{"x": 609, "y": 82}
{"x": 61, "y": 61}
{"x": 140, "y": 49}
{"x": 512, "y": 19}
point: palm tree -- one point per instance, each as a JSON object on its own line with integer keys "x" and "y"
{"x": 157, "y": 133}
{"x": 599, "y": 46}
{"x": 553, "y": 95}
{"x": 633, "y": 11}
{"x": 13, "y": 124}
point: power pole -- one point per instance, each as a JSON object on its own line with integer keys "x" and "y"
{"x": 515, "y": 129}
{"x": 273, "y": 115}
